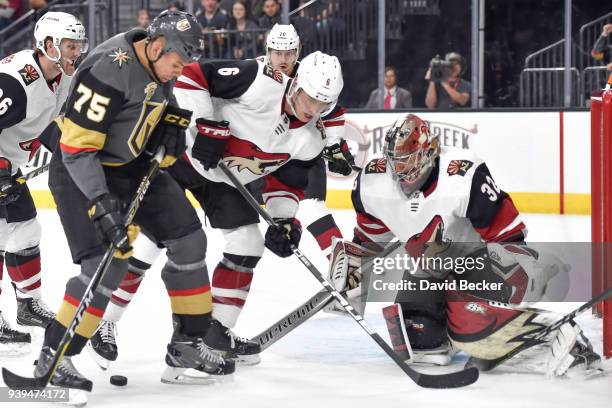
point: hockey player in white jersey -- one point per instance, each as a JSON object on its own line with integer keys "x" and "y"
{"x": 282, "y": 53}
{"x": 33, "y": 86}
{"x": 274, "y": 132}
{"x": 434, "y": 199}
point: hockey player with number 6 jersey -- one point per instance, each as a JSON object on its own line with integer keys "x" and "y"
{"x": 438, "y": 202}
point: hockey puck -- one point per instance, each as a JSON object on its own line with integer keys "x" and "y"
{"x": 118, "y": 380}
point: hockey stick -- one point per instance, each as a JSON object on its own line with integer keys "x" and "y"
{"x": 537, "y": 337}
{"x": 450, "y": 380}
{"x": 302, "y": 7}
{"x": 17, "y": 382}
{"x": 34, "y": 173}
{"x": 306, "y": 310}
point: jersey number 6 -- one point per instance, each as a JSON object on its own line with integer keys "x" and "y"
{"x": 97, "y": 103}
{"x": 4, "y": 103}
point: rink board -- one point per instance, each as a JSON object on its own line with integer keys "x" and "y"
{"x": 541, "y": 158}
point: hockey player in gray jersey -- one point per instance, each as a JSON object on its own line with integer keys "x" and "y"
{"x": 33, "y": 86}
{"x": 121, "y": 108}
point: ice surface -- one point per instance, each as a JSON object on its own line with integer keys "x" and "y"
{"x": 327, "y": 362}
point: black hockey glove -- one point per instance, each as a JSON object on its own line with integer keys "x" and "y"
{"x": 9, "y": 188}
{"x": 170, "y": 133}
{"x": 340, "y": 159}
{"x": 106, "y": 212}
{"x": 210, "y": 142}
{"x": 279, "y": 238}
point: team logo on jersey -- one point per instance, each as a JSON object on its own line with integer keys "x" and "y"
{"x": 31, "y": 146}
{"x": 246, "y": 155}
{"x": 376, "y": 166}
{"x": 121, "y": 57}
{"x": 183, "y": 25}
{"x": 273, "y": 73}
{"x": 29, "y": 74}
{"x": 459, "y": 167}
{"x": 7, "y": 59}
{"x": 476, "y": 308}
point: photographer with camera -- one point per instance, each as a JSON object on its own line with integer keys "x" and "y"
{"x": 446, "y": 73}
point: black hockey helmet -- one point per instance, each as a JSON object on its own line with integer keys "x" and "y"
{"x": 182, "y": 32}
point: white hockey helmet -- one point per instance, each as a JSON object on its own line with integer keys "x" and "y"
{"x": 283, "y": 37}
{"x": 320, "y": 76}
{"x": 59, "y": 25}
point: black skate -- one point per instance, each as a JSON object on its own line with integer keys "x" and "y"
{"x": 66, "y": 375}
{"x": 186, "y": 352}
{"x": 13, "y": 342}
{"x": 223, "y": 340}
{"x": 33, "y": 312}
{"x": 103, "y": 346}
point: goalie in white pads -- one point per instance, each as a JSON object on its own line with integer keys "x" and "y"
{"x": 33, "y": 86}
{"x": 437, "y": 201}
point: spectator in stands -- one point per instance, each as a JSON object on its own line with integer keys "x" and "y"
{"x": 227, "y": 6}
{"x": 394, "y": 98}
{"x": 10, "y": 10}
{"x": 602, "y": 49}
{"x": 143, "y": 18}
{"x": 257, "y": 9}
{"x": 37, "y": 4}
{"x": 212, "y": 18}
{"x": 244, "y": 45}
{"x": 451, "y": 92}
{"x": 272, "y": 14}
{"x": 176, "y": 5}
{"x": 306, "y": 26}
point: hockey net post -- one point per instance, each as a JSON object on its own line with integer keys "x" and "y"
{"x": 601, "y": 206}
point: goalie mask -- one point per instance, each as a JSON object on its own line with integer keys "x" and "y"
{"x": 410, "y": 151}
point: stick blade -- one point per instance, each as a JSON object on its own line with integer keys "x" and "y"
{"x": 17, "y": 382}
{"x": 450, "y": 380}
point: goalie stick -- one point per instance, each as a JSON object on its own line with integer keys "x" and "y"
{"x": 448, "y": 380}
{"x": 306, "y": 310}
{"x": 17, "y": 382}
{"x": 536, "y": 337}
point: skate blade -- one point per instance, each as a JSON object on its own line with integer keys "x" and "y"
{"x": 98, "y": 359}
{"x": 430, "y": 360}
{"x": 247, "y": 360}
{"x": 76, "y": 398}
{"x": 186, "y": 376}
{"x": 15, "y": 349}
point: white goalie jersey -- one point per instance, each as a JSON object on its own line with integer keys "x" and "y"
{"x": 28, "y": 103}
{"x": 460, "y": 198}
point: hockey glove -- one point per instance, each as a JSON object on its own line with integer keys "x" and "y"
{"x": 106, "y": 214}
{"x": 210, "y": 142}
{"x": 170, "y": 133}
{"x": 279, "y": 238}
{"x": 340, "y": 159}
{"x": 9, "y": 188}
